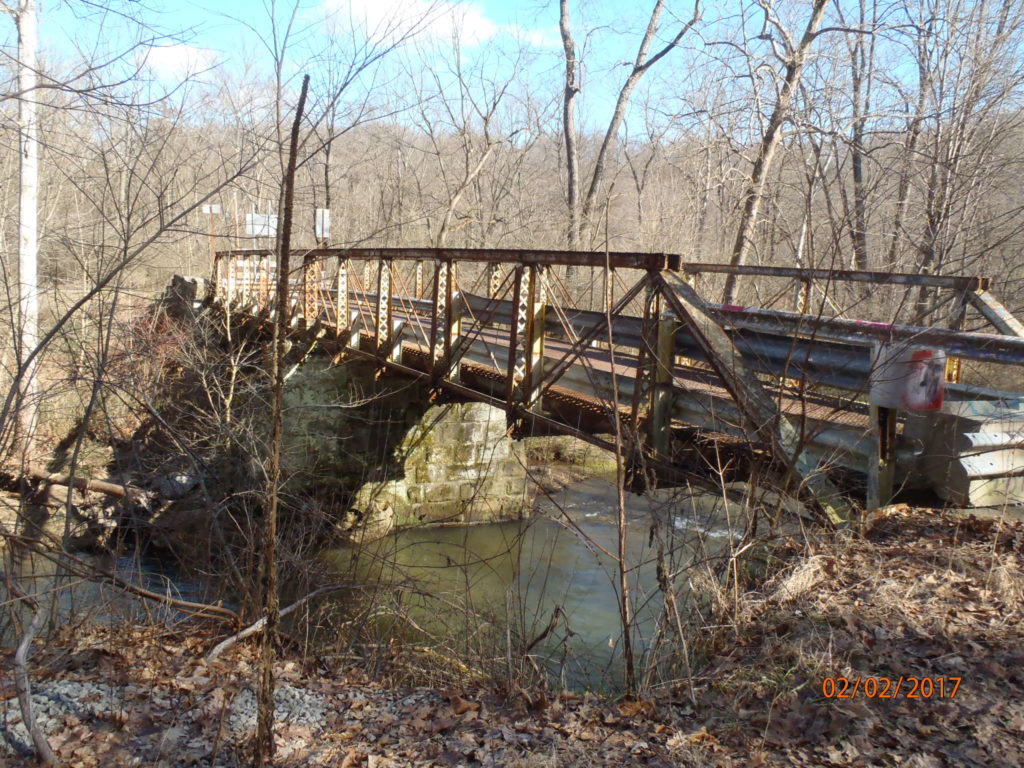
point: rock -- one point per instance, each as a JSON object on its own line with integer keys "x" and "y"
{"x": 375, "y": 520}
{"x": 176, "y": 485}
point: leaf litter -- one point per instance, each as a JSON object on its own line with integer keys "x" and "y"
{"x": 925, "y": 594}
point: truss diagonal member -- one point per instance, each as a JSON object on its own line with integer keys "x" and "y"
{"x": 580, "y": 344}
{"x": 761, "y": 415}
{"x": 996, "y": 313}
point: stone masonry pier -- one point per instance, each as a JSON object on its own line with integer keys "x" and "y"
{"x": 381, "y": 448}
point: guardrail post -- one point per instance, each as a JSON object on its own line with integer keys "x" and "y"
{"x": 956, "y": 323}
{"x": 881, "y": 472}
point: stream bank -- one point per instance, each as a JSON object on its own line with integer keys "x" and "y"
{"x": 925, "y": 594}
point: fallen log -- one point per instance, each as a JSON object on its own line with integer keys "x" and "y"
{"x": 82, "y": 483}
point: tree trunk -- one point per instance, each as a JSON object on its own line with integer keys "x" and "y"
{"x": 766, "y": 152}
{"x": 264, "y": 747}
{"x": 640, "y": 66}
{"x": 862, "y": 58}
{"x": 569, "y": 125}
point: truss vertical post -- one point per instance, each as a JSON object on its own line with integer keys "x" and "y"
{"x": 514, "y": 370}
{"x": 661, "y": 395}
{"x": 493, "y": 279}
{"x": 264, "y": 281}
{"x": 440, "y": 326}
{"x": 881, "y": 472}
{"x": 648, "y": 342}
{"x": 241, "y": 278}
{"x": 310, "y": 289}
{"x": 803, "y": 306}
{"x": 608, "y": 298}
{"x": 249, "y": 279}
{"x": 253, "y": 280}
{"x": 218, "y": 268}
{"x": 344, "y": 318}
{"x": 956, "y": 323}
{"x": 229, "y": 278}
{"x": 803, "y": 297}
{"x": 417, "y": 290}
{"x": 383, "y": 330}
{"x": 536, "y": 314}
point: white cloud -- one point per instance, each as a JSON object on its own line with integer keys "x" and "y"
{"x": 538, "y": 38}
{"x": 179, "y": 60}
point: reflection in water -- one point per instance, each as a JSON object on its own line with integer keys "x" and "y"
{"x": 72, "y": 600}
{"x": 523, "y": 571}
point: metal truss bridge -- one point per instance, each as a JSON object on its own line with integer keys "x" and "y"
{"x": 588, "y": 344}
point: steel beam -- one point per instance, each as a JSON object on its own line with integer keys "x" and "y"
{"x": 996, "y": 313}
{"x": 762, "y": 417}
{"x": 618, "y": 259}
{"x": 842, "y": 275}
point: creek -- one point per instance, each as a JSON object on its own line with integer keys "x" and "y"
{"x": 468, "y": 591}
{"x": 472, "y": 586}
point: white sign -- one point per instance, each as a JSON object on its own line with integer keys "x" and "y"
{"x": 261, "y": 225}
{"x": 322, "y": 224}
{"x": 911, "y": 378}
{"x": 211, "y": 209}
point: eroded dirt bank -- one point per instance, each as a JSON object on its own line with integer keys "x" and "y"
{"x": 924, "y": 596}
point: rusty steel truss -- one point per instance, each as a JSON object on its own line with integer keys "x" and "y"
{"x": 636, "y": 344}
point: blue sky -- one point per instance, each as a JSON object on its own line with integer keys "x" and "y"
{"x": 225, "y": 34}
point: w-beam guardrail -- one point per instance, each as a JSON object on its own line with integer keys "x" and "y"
{"x": 626, "y": 337}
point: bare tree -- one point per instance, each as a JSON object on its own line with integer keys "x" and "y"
{"x": 793, "y": 56}
{"x": 644, "y": 60}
